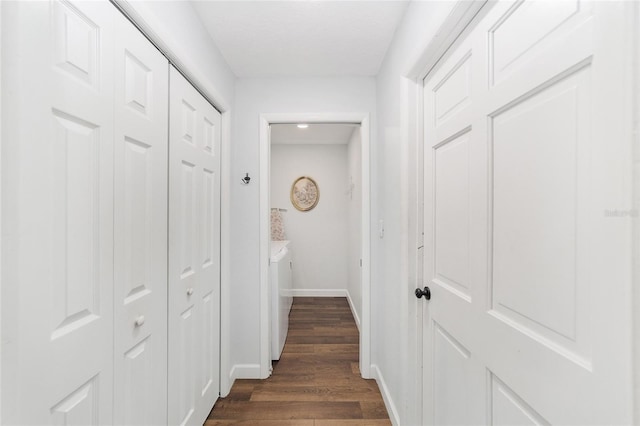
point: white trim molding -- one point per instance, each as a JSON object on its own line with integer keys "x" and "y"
{"x": 636, "y": 205}
{"x": 1, "y": 233}
{"x": 225, "y": 258}
{"x": 244, "y": 371}
{"x": 265, "y": 159}
{"x": 319, "y": 292}
{"x": 265, "y": 247}
{"x": 392, "y": 411}
{"x": 354, "y": 311}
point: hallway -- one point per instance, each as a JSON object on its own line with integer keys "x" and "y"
{"x": 470, "y": 244}
{"x": 315, "y": 383}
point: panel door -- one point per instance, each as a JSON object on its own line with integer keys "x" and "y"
{"x": 194, "y": 254}
{"x": 57, "y": 334}
{"x": 525, "y": 141}
{"x": 141, "y": 171}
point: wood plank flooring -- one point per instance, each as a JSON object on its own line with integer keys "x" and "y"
{"x": 316, "y": 382}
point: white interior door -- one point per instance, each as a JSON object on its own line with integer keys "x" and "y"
{"x": 194, "y": 254}
{"x": 141, "y": 171}
{"x": 527, "y": 145}
{"x": 57, "y": 326}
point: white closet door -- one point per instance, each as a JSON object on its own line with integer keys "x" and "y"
{"x": 57, "y": 297}
{"x": 194, "y": 257}
{"x": 140, "y": 289}
{"x": 527, "y": 146}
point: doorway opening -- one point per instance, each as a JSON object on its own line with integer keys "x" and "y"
{"x": 306, "y": 155}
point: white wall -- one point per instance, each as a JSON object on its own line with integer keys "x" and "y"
{"x": 354, "y": 204}
{"x": 394, "y": 307}
{"x": 178, "y": 24}
{"x": 253, "y": 97}
{"x": 319, "y": 237}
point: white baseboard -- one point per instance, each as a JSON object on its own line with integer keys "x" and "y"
{"x": 331, "y": 292}
{"x": 353, "y": 310}
{"x": 386, "y": 396}
{"x": 225, "y": 386}
{"x": 244, "y": 371}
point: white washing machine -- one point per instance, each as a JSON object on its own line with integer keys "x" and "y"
{"x": 281, "y": 295}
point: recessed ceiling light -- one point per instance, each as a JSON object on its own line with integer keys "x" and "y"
{"x": 302, "y": 126}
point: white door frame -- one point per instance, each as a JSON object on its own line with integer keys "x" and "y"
{"x": 0, "y": 212}
{"x": 636, "y": 208}
{"x": 265, "y": 236}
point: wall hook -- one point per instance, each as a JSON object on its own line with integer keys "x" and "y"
{"x": 246, "y": 179}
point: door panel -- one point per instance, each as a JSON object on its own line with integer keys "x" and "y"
{"x": 75, "y": 175}
{"x": 527, "y": 30}
{"x": 519, "y": 175}
{"x": 58, "y": 331}
{"x": 452, "y": 380}
{"x": 80, "y": 407}
{"x": 208, "y": 368}
{"x": 449, "y": 341}
{"x": 539, "y": 234}
{"x": 508, "y": 409}
{"x": 194, "y": 254}
{"x": 76, "y": 46}
{"x": 453, "y": 93}
{"x": 186, "y": 368}
{"x": 141, "y": 156}
{"x": 451, "y": 169}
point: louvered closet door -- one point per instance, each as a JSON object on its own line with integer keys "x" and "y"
{"x": 57, "y": 342}
{"x": 194, "y": 257}
{"x": 527, "y": 145}
{"x": 140, "y": 288}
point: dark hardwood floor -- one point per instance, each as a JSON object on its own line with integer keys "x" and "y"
{"x": 316, "y": 382}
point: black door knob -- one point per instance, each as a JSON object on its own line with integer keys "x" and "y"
{"x": 423, "y": 292}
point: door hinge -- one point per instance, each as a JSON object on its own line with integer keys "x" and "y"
{"x": 361, "y": 263}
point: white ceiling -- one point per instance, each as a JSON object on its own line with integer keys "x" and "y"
{"x": 315, "y": 134}
{"x": 302, "y": 37}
